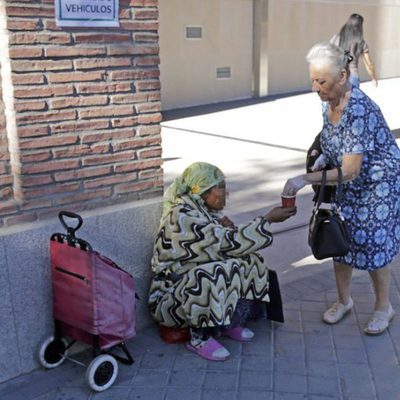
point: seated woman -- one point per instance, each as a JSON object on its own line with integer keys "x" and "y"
{"x": 207, "y": 274}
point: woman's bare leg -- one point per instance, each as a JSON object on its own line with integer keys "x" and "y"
{"x": 381, "y": 282}
{"x": 343, "y": 273}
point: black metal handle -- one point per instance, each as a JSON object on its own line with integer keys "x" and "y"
{"x": 70, "y": 229}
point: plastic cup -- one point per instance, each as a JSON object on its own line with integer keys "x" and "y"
{"x": 288, "y": 201}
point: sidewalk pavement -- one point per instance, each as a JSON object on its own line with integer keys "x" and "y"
{"x": 258, "y": 144}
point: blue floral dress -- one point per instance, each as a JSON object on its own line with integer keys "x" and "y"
{"x": 371, "y": 202}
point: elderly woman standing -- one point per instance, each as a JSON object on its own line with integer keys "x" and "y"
{"x": 207, "y": 273}
{"x": 356, "y": 138}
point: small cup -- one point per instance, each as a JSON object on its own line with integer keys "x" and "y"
{"x": 288, "y": 201}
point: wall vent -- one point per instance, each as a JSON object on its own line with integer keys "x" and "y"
{"x": 194, "y": 32}
{"x": 224, "y": 72}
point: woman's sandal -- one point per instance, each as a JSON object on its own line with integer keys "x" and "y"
{"x": 379, "y": 322}
{"x": 210, "y": 350}
{"x": 239, "y": 333}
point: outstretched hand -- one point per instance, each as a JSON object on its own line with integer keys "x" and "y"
{"x": 280, "y": 214}
{"x": 226, "y": 222}
{"x": 293, "y": 185}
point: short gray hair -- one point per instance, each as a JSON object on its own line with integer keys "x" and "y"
{"x": 329, "y": 53}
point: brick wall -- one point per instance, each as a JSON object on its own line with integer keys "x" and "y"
{"x": 84, "y": 128}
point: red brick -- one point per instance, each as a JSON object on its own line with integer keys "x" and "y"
{"x": 38, "y": 38}
{"x": 49, "y": 166}
{"x": 91, "y": 88}
{"x": 136, "y": 143}
{"x": 129, "y": 98}
{"x": 82, "y": 173}
{"x": 8, "y": 207}
{"x": 101, "y": 38}
{"x": 148, "y": 107}
{"x": 137, "y": 165}
{"x": 146, "y": 61}
{"x": 51, "y": 190}
{"x": 106, "y": 112}
{"x": 123, "y": 122}
{"x": 134, "y": 187}
{"x": 23, "y": 25}
{"x": 147, "y": 85}
{"x": 47, "y": 65}
{"x": 151, "y": 173}
{"x": 74, "y": 51}
{"x": 145, "y": 37}
{"x": 78, "y": 126}
{"x": 50, "y": 24}
{"x": 81, "y": 197}
{"x": 82, "y": 150}
{"x": 88, "y": 63}
{"x": 109, "y": 159}
{"x": 105, "y": 136}
{"x": 46, "y": 117}
{"x": 150, "y": 118}
{"x": 36, "y": 204}
{"x": 135, "y": 74}
{"x": 70, "y": 102}
{"x": 31, "y": 131}
{"x": 30, "y": 106}
{"x": 36, "y": 180}
{"x": 125, "y": 13}
{"x": 50, "y": 141}
{"x": 141, "y": 3}
{"x": 145, "y": 14}
{"x": 109, "y": 180}
{"x": 35, "y": 157}
{"x": 26, "y": 79}
{"x": 76, "y": 76}
{"x": 139, "y": 26}
{"x": 26, "y": 52}
{"x": 35, "y": 11}
{"x": 43, "y": 91}
{"x": 149, "y": 130}
{"x": 151, "y": 153}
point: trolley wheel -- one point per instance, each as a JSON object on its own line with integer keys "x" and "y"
{"x": 102, "y": 372}
{"x": 52, "y": 352}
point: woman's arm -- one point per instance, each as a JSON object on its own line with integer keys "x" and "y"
{"x": 351, "y": 167}
{"x": 369, "y": 66}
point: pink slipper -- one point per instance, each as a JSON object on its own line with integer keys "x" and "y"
{"x": 210, "y": 350}
{"x": 239, "y": 333}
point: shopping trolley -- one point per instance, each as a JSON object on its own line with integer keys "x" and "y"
{"x": 94, "y": 301}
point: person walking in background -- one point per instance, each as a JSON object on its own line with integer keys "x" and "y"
{"x": 356, "y": 137}
{"x": 351, "y": 39}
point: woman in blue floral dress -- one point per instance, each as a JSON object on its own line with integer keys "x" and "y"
{"x": 356, "y": 137}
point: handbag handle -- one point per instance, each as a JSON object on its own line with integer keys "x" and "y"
{"x": 339, "y": 190}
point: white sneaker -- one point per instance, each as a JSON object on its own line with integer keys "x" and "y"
{"x": 379, "y": 321}
{"x": 337, "y": 311}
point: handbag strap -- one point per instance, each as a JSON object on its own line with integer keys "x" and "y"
{"x": 339, "y": 190}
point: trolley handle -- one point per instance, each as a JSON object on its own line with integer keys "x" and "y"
{"x": 70, "y": 229}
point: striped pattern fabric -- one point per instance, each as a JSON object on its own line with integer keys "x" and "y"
{"x": 201, "y": 269}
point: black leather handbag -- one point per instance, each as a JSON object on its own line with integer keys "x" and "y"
{"x": 328, "y": 236}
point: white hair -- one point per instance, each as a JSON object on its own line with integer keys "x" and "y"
{"x": 329, "y": 54}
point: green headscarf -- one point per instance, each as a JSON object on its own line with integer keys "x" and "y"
{"x": 196, "y": 179}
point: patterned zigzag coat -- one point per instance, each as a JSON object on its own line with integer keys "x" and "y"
{"x": 201, "y": 269}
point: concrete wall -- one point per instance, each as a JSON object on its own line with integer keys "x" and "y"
{"x": 188, "y": 66}
{"x": 294, "y": 26}
{"x": 265, "y": 42}
{"x": 124, "y": 234}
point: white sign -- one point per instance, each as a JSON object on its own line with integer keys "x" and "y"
{"x": 87, "y": 12}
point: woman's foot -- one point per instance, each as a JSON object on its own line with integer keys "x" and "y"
{"x": 209, "y": 349}
{"x": 379, "y": 321}
{"x": 239, "y": 333}
{"x": 337, "y": 311}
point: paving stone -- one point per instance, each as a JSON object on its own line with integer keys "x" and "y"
{"x": 150, "y": 378}
{"x": 149, "y": 393}
{"x": 187, "y": 378}
{"x": 290, "y": 383}
{"x": 255, "y": 380}
{"x": 322, "y": 386}
{"x": 256, "y": 363}
{"x": 183, "y": 394}
{"x": 220, "y": 380}
{"x": 218, "y": 395}
{"x": 321, "y": 368}
{"x": 254, "y": 395}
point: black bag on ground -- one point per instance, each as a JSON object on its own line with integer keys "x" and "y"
{"x": 274, "y": 307}
{"x": 328, "y": 236}
{"x": 312, "y": 154}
